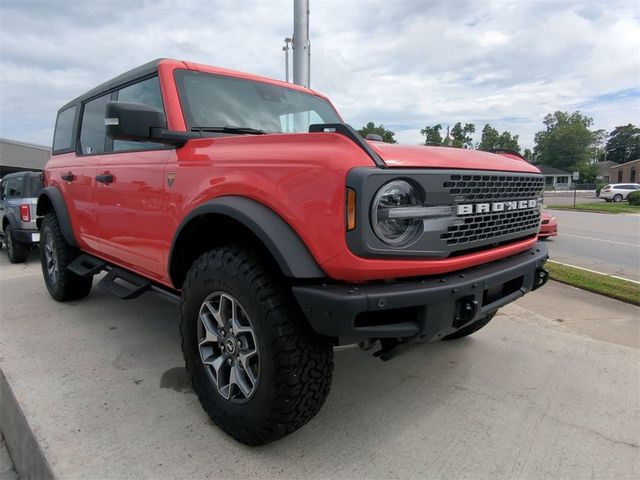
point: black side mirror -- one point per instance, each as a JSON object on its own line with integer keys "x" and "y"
{"x": 137, "y": 122}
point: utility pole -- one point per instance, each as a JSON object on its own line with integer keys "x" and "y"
{"x": 285, "y": 49}
{"x": 301, "y": 45}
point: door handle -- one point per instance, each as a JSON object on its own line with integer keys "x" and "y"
{"x": 105, "y": 178}
{"x": 68, "y": 177}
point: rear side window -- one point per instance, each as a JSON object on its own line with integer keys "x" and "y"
{"x": 14, "y": 187}
{"x": 147, "y": 92}
{"x": 63, "y": 135}
{"x": 35, "y": 185}
{"x": 93, "y": 137}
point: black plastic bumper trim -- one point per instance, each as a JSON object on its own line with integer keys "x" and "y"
{"x": 331, "y": 309}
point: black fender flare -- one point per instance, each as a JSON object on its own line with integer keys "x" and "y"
{"x": 11, "y": 218}
{"x": 53, "y": 196}
{"x": 287, "y": 248}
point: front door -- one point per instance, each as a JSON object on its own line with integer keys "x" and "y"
{"x": 130, "y": 193}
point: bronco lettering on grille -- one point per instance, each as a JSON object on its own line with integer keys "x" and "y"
{"x": 469, "y": 208}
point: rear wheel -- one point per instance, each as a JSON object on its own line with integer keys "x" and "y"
{"x": 55, "y": 255}
{"x": 16, "y": 251}
{"x": 617, "y": 198}
{"x": 258, "y": 369}
{"x": 471, "y": 328}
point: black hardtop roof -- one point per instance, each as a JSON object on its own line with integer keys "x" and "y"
{"x": 133, "y": 74}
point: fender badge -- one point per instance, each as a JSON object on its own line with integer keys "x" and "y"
{"x": 171, "y": 176}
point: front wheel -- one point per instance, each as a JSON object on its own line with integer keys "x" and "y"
{"x": 258, "y": 369}
{"x": 16, "y": 251}
{"x": 617, "y": 198}
{"x": 55, "y": 255}
{"x": 471, "y": 328}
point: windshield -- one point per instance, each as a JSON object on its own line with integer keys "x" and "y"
{"x": 215, "y": 102}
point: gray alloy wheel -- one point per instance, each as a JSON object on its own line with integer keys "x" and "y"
{"x": 51, "y": 258}
{"x": 617, "y": 198}
{"x": 228, "y": 347}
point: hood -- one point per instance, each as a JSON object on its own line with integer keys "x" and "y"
{"x": 408, "y": 156}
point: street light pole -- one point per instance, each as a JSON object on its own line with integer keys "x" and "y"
{"x": 285, "y": 49}
{"x": 301, "y": 45}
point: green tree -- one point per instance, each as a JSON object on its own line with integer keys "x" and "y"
{"x": 623, "y": 144}
{"x": 528, "y": 154}
{"x": 387, "y": 135}
{"x": 432, "y": 134}
{"x": 567, "y": 142}
{"x": 508, "y": 141}
{"x": 461, "y": 136}
{"x": 489, "y": 139}
{"x": 492, "y": 140}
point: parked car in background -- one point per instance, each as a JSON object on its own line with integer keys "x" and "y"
{"x": 548, "y": 226}
{"x": 617, "y": 192}
{"x": 18, "y": 198}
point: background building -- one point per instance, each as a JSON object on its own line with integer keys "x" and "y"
{"x": 626, "y": 172}
{"x": 555, "y": 178}
{"x": 20, "y": 156}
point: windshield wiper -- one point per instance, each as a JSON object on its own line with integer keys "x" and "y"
{"x": 229, "y": 129}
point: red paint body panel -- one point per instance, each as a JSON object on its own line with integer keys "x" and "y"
{"x": 301, "y": 177}
{"x": 395, "y": 155}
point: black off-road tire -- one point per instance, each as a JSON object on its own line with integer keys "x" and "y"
{"x": 63, "y": 285}
{"x": 296, "y": 364}
{"x": 16, "y": 251}
{"x": 471, "y": 328}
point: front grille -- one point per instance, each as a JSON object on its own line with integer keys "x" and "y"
{"x": 491, "y": 188}
{"x": 494, "y": 225}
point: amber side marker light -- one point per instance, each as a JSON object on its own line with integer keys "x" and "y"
{"x": 351, "y": 209}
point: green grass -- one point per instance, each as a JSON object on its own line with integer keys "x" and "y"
{"x": 622, "y": 207}
{"x": 595, "y": 282}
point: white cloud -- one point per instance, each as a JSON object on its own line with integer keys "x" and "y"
{"x": 405, "y": 64}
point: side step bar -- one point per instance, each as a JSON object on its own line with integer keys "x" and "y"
{"x": 119, "y": 282}
{"x": 86, "y": 266}
{"x": 123, "y": 284}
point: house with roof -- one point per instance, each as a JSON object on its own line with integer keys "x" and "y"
{"x": 604, "y": 171}
{"x": 555, "y": 178}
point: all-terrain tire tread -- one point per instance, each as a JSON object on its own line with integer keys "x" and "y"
{"x": 304, "y": 360}
{"x": 69, "y": 286}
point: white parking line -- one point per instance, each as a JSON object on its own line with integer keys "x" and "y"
{"x": 594, "y": 271}
{"x": 598, "y": 239}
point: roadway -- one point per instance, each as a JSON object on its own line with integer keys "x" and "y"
{"x": 602, "y": 242}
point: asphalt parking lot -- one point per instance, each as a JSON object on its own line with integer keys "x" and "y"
{"x": 102, "y": 386}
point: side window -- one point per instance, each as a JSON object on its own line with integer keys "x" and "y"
{"x": 63, "y": 135}
{"x": 14, "y": 187}
{"x": 147, "y": 92}
{"x": 93, "y": 137}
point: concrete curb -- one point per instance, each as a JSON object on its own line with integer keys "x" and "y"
{"x": 28, "y": 458}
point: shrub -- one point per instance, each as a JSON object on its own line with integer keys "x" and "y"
{"x": 634, "y": 198}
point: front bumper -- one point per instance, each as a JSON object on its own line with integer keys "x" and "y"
{"x": 429, "y": 307}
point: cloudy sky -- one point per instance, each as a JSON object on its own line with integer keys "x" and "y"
{"x": 403, "y": 63}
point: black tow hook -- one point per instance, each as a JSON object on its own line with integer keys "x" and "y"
{"x": 542, "y": 275}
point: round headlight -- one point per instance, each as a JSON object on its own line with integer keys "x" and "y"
{"x": 395, "y": 232}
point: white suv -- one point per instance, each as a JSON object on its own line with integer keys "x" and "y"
{"x": 618, "y": 191}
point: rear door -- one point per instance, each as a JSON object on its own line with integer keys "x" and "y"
{"x": 130, "y": 196}
{"x": 74, "y": 175}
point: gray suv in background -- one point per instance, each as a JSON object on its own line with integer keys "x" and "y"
{"x": 18, "y": 198}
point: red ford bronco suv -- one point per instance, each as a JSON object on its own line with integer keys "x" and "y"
{"x": 280, "y": 231}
